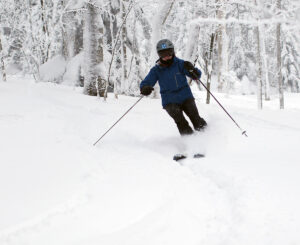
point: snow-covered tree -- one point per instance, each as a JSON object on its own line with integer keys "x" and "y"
{"x": 93, "y": 50}
{"x": 2, "y": 62}
{"x": 291, "y": 64}
{"x": 102, "y": 44}
{"x": 279, "y": 63}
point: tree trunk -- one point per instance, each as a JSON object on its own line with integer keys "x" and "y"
{"x": 259, "y": 69}
{"x": 264, "y": 62}
{"x": 93, "y": 49}
{"x": 68, "y": 36}
{"x": 193, "y": 37}
{"x": 139, "y": 15}
{"x": 101, "y": 87}
{"x": 220, "y": 60}
{"x": 111, "y": 30}
{"x": 144, "y": 22}
{"x": 259, "y": 82}
{"x": 2, "y": 62}
{"x": 279, "y": 66}
{"x": 209, "y": 66}
{"x": 123, "y": 48}
{"x": 116, "y": 41}
{"x": 46, "y": 32}
{"x": 222, "y": 48}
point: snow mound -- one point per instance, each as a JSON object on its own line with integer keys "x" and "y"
{"x": 53, "y": 70}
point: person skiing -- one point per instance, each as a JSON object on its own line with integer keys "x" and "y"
{"x": 176, "y": 95}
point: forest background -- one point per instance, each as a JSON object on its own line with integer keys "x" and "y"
{"x": 244, "y": 47}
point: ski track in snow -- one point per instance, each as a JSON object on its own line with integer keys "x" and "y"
{"x": 127, "y": 188}
{"x": 37, "y": 223}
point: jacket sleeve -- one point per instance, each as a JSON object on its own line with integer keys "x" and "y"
{"x": 150, "y": 79}
{"x": 188, "y": 74}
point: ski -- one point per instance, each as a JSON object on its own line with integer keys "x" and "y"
{"x": 198, "y": 155}
{"x": 178, "y": 157}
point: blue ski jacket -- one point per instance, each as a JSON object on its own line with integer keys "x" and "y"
{"x": 174, "y": 88}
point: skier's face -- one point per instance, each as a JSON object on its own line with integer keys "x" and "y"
{"x": 166, "y": 58}
{"x": 166, "y": 54}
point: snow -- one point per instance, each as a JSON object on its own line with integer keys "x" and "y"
{"x": 72, "y": 71}
{"x": 57, "y": 188}
{"x": 54, "y": 69}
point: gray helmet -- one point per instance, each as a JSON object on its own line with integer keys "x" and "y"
{"x": 164, "y": 44}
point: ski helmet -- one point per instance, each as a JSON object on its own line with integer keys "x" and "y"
{"x": 164, "y": 44}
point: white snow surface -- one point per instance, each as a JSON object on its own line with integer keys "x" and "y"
{"x": 57, "y": 188}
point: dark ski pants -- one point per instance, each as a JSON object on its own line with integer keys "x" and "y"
{"x": 190, "y": 109}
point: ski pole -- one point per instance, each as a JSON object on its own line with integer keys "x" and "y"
{"x": 243, "y": 131}
{"x": 119, "y": 119}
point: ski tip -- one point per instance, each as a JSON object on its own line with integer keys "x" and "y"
{"x": 178, "y": 157}
{"x": 199, "y": 155}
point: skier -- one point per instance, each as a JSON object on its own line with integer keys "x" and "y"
{"x": 177, "y": 97}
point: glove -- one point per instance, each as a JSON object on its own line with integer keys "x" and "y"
{"x": 146, "y": 90}
{"x": 191, "y": 70}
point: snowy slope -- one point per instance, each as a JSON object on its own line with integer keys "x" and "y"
{"x": 56, "y": 188}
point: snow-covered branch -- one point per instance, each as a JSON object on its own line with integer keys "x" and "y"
{"x": 253, "y": 22}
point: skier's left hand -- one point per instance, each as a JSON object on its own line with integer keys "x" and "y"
{"x": 191, "y": 70}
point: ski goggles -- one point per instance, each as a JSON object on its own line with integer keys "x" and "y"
{"x": 166, "y": 52}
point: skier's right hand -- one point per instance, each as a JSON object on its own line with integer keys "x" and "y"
{"x": 146, "y": 90}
